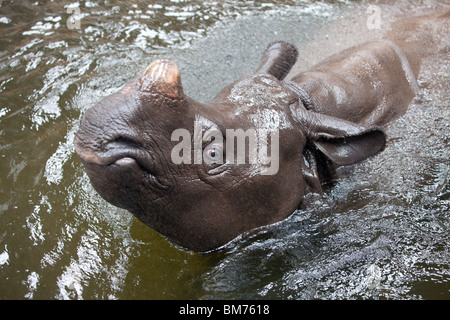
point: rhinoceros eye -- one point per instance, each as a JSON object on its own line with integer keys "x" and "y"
{"x": 213, "y": 154}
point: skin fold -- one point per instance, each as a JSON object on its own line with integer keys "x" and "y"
{"x": 331, "y": 115}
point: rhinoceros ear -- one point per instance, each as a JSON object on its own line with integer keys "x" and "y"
{"x": 343, "y": 142}
{"x": 278, "y": 59}
{"x": 162, "y": 76}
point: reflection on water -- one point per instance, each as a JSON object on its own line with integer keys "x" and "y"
{"x": 381, "y": 231}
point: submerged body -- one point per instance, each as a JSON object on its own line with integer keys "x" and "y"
{"x": 330, "y": 115}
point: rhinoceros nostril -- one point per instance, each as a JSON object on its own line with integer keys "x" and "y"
{"x": 126, "y": 141}
{"x": 128, "y": 153}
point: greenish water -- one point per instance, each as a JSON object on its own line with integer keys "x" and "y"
{"x": 382, "y": 231}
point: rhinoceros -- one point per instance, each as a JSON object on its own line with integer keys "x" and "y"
{"x": 201, "y": 174}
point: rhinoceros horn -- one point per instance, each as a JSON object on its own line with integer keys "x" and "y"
{"x": 161, "y": 76}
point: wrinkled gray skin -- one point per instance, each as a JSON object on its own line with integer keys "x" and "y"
{"x": 329, "y": 116}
